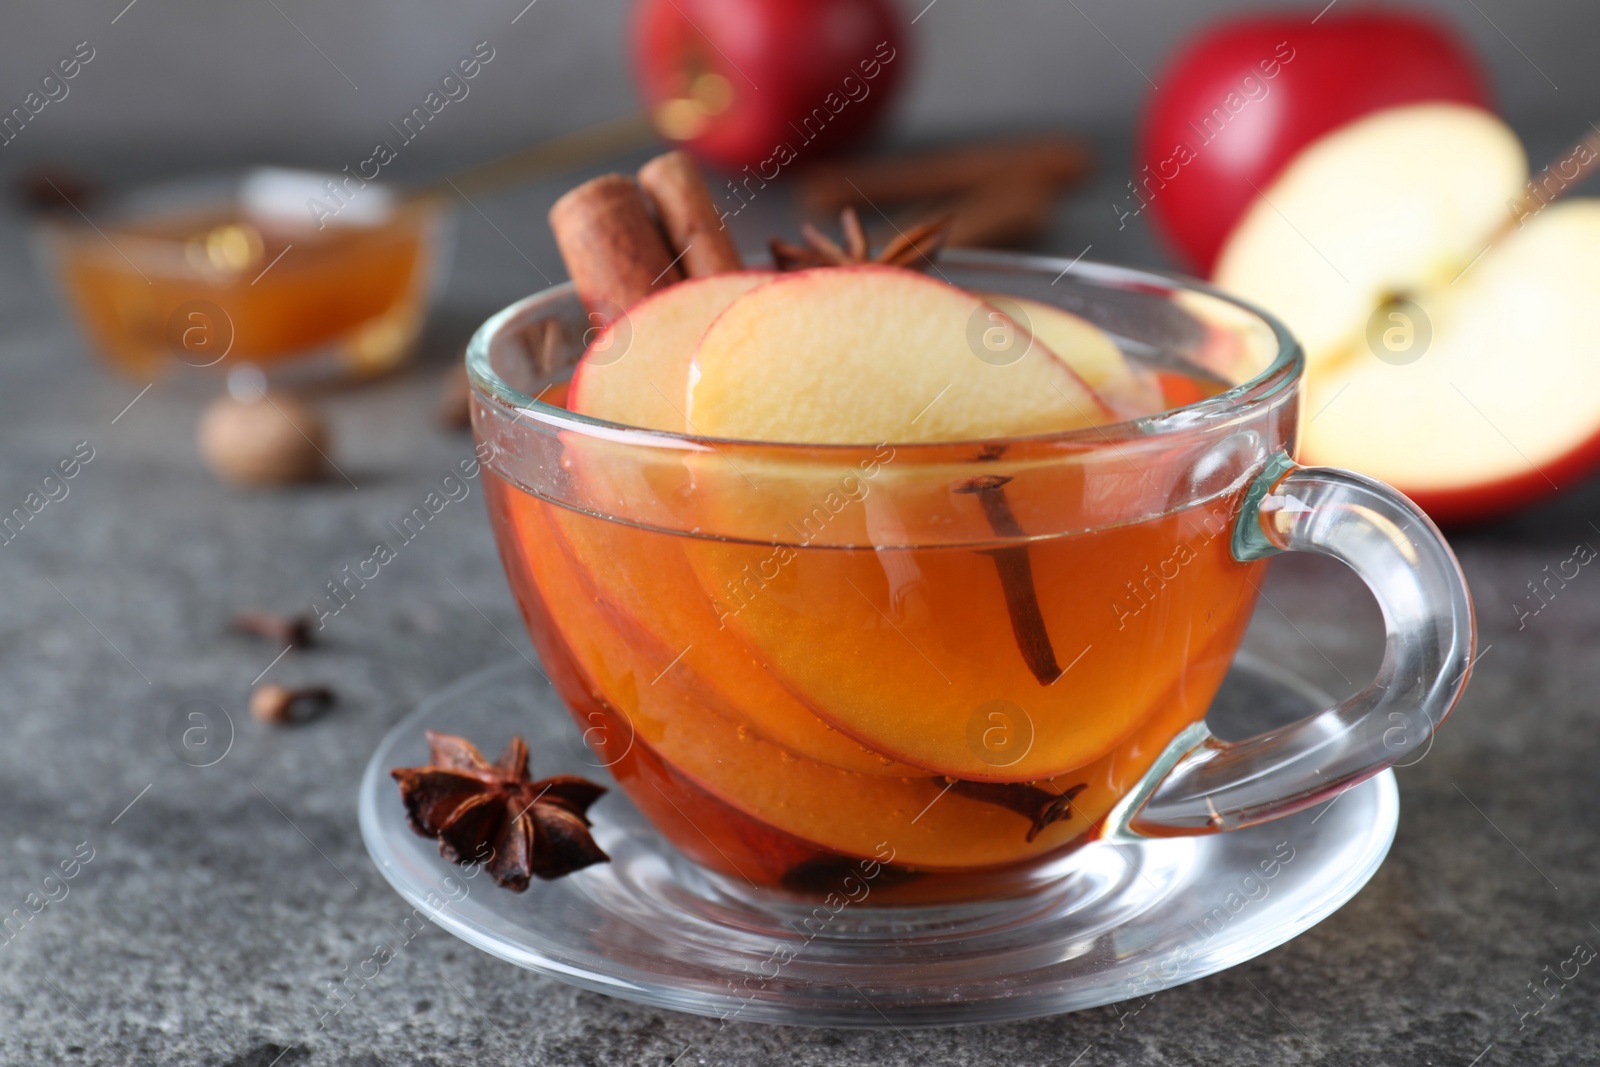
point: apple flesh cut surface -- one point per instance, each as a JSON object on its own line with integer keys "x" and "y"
{"x": 902, "y": 648}
{"x": 874, "y": 354}
{"x": 636, "y": 371}
{"x": 1089, "y": 351}
{"x": 655, "y": 594}
{"x": 1490, "y": 396}
{"x": 1395, "y": 203}
{"x": 650, "y": 581}
{"x": 860, "y": 355}
{"x": 1503, "y": 407}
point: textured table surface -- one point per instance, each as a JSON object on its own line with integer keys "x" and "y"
{"x": 220, "y": 900}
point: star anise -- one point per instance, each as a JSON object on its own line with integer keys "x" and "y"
{"x": 478, "y": 809}
{"x": 913, "y": 249}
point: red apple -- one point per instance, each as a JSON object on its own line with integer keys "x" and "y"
{"x": 1242, "y": 100}
{"x": 762, "y": 83}
{"x": 1448, "y": 332}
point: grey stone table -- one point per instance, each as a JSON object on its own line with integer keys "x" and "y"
{"x": 210, "y": 906}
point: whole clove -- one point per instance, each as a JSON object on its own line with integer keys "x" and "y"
{"x": 1041, "y": 807}
{"x": 1016, "y": 577}
{"x": 281, "y": 704}
{"x": 291, "y": 630}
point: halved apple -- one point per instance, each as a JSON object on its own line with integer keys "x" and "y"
{"x": 1449, "y": 343}
{"x": 1504, "y": 404}
{"x": 1392, "y": 204}
{"x": 636, "y": 370}
{"x": 859, "y": 355}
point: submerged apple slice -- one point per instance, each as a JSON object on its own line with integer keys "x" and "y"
{"x": 1393, "y": 203}
{"x": 827, "y": 805}
{"x": 1089, "y": 351}
{"x": 853, "y": 355}
{"x": 636, "y": 370}
{"x": 910, "y": 649}
{"x": 651, "y": 591}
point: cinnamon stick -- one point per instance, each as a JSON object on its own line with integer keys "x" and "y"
{"x": 1009, "y": 209}
{"x": 695, "y": 230}
{"x": 1584, "y": 159}
{"x": 612, "y": 246}
{"x": 1053, "y": 158}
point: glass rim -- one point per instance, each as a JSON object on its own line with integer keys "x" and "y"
{"x": 1285, "y": 368}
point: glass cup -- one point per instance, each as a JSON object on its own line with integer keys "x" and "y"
{"x": 943, "y": 668}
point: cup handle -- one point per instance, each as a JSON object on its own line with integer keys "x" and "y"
{"x": 1202, "y": 784}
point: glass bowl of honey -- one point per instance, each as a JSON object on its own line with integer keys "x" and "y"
{"x": 325, "y": 276}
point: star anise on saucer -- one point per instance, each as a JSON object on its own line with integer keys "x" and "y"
{"x": 492, "y": 813}
{"x": 913, "y": 249}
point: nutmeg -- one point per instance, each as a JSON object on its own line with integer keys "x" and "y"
{"x": 275, "y": 439}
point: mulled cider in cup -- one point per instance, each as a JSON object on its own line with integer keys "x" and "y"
{"x": 943, "y": 666}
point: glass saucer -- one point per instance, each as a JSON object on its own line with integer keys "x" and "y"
{"x": 1121, "y": 921}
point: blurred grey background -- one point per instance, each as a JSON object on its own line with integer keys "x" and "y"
{"x": 179, "y": 83}
{"x": 215, "y": 920}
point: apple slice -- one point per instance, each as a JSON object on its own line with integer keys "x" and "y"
{"x": 1088, "y": 350}
{"x": 1506, "y": 395}
{"x": 929, "y": 822}
{"x": 655, "y": 593}
{"x": 636, "y": 370}
{"x": 648, "y": 609}
{"x": 1394, "y": 203}
{"x": 853, "y": 355}
{"x": 645, "y": 577}
{"x": 847, "y": 811}
{"x": 904, "y": 649}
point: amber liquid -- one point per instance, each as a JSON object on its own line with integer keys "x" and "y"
{"x": 284, "y": 290}
{"x": 787, "y": 713}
